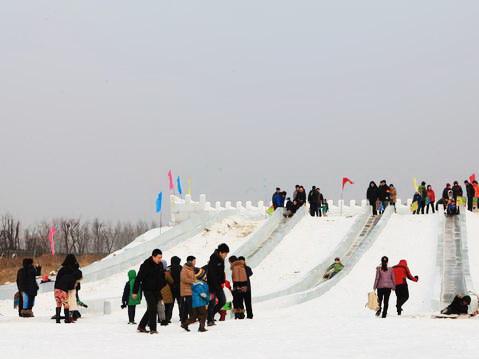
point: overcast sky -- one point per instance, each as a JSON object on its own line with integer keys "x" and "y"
{"x": 100, "y": 98}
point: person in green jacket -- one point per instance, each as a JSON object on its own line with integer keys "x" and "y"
{"x": 127, "y": 300}
{"x": 334, "y": 269}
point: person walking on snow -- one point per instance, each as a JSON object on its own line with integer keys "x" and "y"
{"x": 187, "y": 279}
{"x": 240, "y": 286}
{"x": 27, "y": 287}
{"x": 216, "y": 277}
{"x": 401, "y": 274}
{"x": 247, "y": 300}
{"x": 127, "y": 300}
{"x": 151, "y": 278}
{"x": 65, "y": 281}
{"x": 384, "y": 283}
{"x": 372, "y": 196}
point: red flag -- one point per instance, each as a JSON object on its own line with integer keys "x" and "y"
{"x": 346, "y": 180}
{"x": 51, "y": 234}
{"x": 170, "y": 177}
{"x": 472, "y": 177}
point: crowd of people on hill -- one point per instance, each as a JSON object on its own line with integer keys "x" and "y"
{"x": 197, "y": 291}
{"x": 318, "y": 205}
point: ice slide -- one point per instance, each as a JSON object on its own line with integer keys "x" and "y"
{"x": 356, "y": 242}
{"x": 453, "y": 259}
{"x": 266, "y": 238}
{"x": 131, "y": 255}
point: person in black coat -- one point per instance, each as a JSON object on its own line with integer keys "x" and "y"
{"x": 313, "y": 199}
{"x": 66, "y": 279}
{"x": 216, "y": 278}
{"x": 456, "y": 192}
{"x": 459, "y": 306}
{"x": 470, "y": 191}
{"x": 27, "y": 286}
{"x": 384, "y": 194}
{"x": 247, "y": 301}
{"x": 151, "y": 276}
{"x": 372, "y": 195}
{"x": 175, "y": 270}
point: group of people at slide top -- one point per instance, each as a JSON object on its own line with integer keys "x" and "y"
{"x": 318, "y": 205}
{"x": 451, "y": 199}
{"x": 381, "y": 196}
{"x": 197, "y": 291}
{"x": 67, "y": 285}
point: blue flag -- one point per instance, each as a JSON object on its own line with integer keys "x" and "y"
{"x": 178, "y": 184}
{"x": 159, "y": 202}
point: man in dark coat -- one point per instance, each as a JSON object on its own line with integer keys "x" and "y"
{"x": 151, "y": 277}
{"x": 313, "y": 199}
{"x": 27, "y": 286}
{"x": 470, "y": 191}
{"x": 216, "y": 277}
{"x": 372, "y": 195}
{"x": 459, "y": 306}
{"x": 456, "y": 192}
{"x": 175, "y": 270}
{"x": 384, "y": 194}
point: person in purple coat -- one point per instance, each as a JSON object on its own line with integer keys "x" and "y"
{"x": 384, "y": 283}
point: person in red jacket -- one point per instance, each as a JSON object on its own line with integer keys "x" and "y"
{"x": 431, "y": 198}
{"x": 401, "y": 274}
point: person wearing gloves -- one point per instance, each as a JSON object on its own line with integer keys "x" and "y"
{"x": 127, "y": 300}
{"x": 401, "y": 274}
{"x": 384, "y": 283}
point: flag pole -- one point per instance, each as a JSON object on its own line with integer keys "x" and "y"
{"x": 341, "y": 205}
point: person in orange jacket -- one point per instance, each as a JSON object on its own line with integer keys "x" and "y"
{"x": 401, "y": 274}
{"x": 476, "y": 191}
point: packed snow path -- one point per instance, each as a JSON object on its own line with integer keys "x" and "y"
{"x": 453, "y": 259}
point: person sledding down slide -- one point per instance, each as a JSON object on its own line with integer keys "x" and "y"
{"x": 333, "y": 269}
{"x": 451, "y": 208}
{"x": 460, "y": 307}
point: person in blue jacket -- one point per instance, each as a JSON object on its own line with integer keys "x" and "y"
{"x": 278, "y": 199}
{"x": 200, "y": 300}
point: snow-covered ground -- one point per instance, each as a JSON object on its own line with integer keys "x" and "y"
{"x": 335, "y": 324}
{"x": 310, "y": 242}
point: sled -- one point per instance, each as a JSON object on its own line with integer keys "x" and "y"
{"x": 414, "y": 206}
{"x": 270, "y": 211}
{"x": 461, "y": 201}
{"x": 451, "y": 316}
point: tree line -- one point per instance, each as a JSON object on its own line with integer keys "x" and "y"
{"x": 73, "y": 235}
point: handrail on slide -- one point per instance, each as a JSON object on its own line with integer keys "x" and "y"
{"x": 361, "y": 242}
{"x": 268, "y": 236}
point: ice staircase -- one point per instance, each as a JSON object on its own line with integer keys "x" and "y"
{"x": 357, "y": 241}
{"x": 453, "y": 259}
{"x": 268, "y": 236}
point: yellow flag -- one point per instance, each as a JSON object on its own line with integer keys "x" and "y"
{"x": 414, "y": 184}
{"x": 189, "y": 186}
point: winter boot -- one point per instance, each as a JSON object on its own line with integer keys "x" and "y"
{"x": 222, "y": 315}
{"x": 164, "y": 323}
{"x": 378, "y": 313}
{"x": 67, "y": 316}
{"x": 202, "y": 328}
{"x": 184, "y": 325}
{"x": 57, "y": 314}
{"x": 211, "y": 323}
{"x": 141, "y": 330}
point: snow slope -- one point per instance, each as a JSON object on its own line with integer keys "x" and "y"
{"x": 334, "y": 325}
{"x": 310, "y": 242}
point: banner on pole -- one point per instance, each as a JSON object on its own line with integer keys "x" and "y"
{"x": 159, "y": 202}
{"x": 170, "y": 178}
{"x": 414, "y": 184}
{"x": 178, "y": 185}
{"x": 472, "y": 178}
{"x": 189, "y": 186}
{"x": 51, "y": 235}
{"x": 346, "y": 180}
